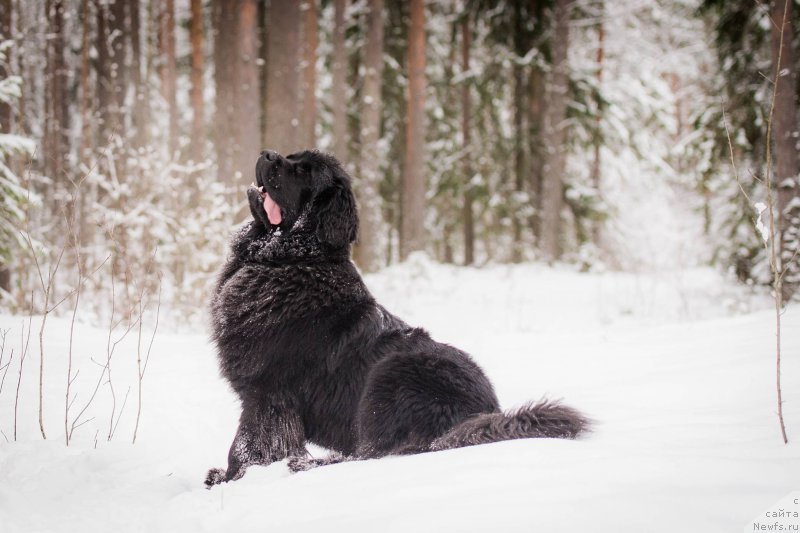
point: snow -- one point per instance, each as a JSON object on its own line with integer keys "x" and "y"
{"x": 760, "y": 226}
{"x": 677, "y": 370}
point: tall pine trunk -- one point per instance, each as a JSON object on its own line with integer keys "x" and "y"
{"x": 368, "y": 250}
{"x": 247, "y": 128}
{"x": 538, "y": 148}
{"x": 555, "y": 135}
{"x": 198, "y": 66}
{"x": 596, "y": 160}
{"x": 308, "y": 108}
{"x": 166, "y": 43}
{"x": 466, "y": 133}
{"x": 225, "y": 21}
{"x": 103, "y": 74}
{"x": 520, "y": 170}
{"x": 118, "y": 37}
{"x": 785, "y": 134}
{"x": 535, "y": 112}
{"x": 339, "y": 73}
{"x": 57, "y": 124}
{"x": 283, "y": 117}
{"x": 5, "y": 117}
{"x": 412, "y": 237}
{"x": 140, "y": 102}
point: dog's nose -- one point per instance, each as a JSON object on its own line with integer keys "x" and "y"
{"x": 269, "y": 155}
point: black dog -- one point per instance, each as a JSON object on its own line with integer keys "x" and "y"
{"x": 314, "y": 358}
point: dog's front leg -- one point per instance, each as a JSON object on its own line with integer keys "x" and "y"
{"x": 270, "y": 430}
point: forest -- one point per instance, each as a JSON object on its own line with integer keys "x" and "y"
{"x": 478, "y": 132}
{"x": 597, "y": 200}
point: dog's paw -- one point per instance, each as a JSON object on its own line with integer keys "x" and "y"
{"x": 298, "y": 463}
{"x": 303, "y": 463}
{"x": 215, "y": 476}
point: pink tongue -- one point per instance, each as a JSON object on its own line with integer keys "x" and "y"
{"x": 272, "y": 209}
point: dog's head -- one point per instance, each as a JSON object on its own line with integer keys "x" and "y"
{"x": 306, "y": 183}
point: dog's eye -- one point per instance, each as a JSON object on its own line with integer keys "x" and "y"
{"x": 304, "y": 169}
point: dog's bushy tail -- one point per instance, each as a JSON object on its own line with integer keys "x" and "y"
{"x": 542, "y": 419}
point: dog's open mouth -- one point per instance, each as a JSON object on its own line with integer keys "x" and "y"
{"x": 271, "y": 208}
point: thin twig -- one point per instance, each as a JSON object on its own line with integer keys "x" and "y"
{"x": 733, "y": 163}
{"x": 4, "y": 368}
{"x": 70, "y": 379}
{"x": 121, "y": 410}
{"x": 142, "y": 368}
{"x": 24, "y": 344}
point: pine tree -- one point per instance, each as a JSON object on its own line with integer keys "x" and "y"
{"x": 57, "y": 124}
{"x": 13, "y": 196}
{"x": 412, "y": 237}
{"x": 786, "y": 134}
{"x": 466, "y": 137}
{"x": 339, "y": 89}
{"x": 166, "y": 42}
{"x": 366, "y": 185}
{"x": 198, "y": 65}
{"x": 308, "y": 106}
{"x": 283, "y": 116}
{"x": 247, "y": 127}
{"x": 555, "y": 133}
{"x": 226, "y": 23}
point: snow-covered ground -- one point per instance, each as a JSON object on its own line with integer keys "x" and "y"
{"x": 676, "y": 369}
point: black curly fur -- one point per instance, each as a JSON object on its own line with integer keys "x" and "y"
{"x": 314, "y": 358}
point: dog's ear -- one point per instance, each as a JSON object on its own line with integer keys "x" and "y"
{"x": 337, "y": 216}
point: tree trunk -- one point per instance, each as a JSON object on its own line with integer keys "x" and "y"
{"x": 118, "y": 35}
{"x": 535, "y": 109}
{"x": 86, "y": 142}
{"x": 5, "y": 34}
{"x": 786, "y": 160}
{"x": 226, "y": 21}
{"x": 248, "y": 124}
{"x": 5, "y": 118}
{"x": 412, "y": 237}
{"x": 103, "y": 70}
{"x": 519, "y": 134}
{"x": 555, "y": 135}
{"x": 596, "y": 160}
{"x": 166, "y": 43}
{"x": 198, "y": 66}
{"x": 466, "y": 114}
{"x": 367, "y": 183}
{"x": 308, "y": 136}
{"x": 282, "y": 128}
{"x": 56, "y": 143}
{"x": 85, "y": 229}
{"x": 339, "y": 71}
{"x": 140, "y": 103}
{"x": 538, "y": 148}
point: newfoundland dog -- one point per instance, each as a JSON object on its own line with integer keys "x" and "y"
{"x": 312, "y": 355}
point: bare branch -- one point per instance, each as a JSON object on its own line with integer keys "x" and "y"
{"x": 24, "y": 343}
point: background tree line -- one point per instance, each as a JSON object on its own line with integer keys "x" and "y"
{"x": 477, "y": 131}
